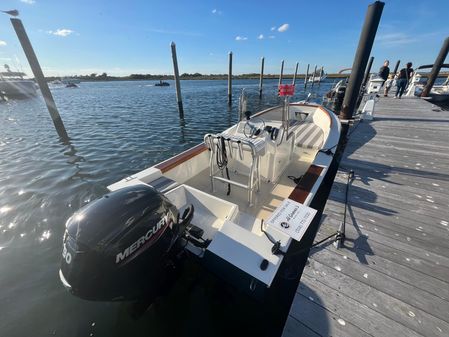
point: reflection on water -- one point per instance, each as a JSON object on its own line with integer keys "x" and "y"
{"x": 115, "y": 129}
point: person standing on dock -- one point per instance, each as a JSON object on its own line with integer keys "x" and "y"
{"x": 388, "y": 85}
{"x": 403, "y": 77}
{"x": 384, "y": 71}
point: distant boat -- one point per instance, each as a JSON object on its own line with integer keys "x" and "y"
{"x": 69, "y": 80}
{"x": 71, "y": 85}
{"x": 14, "y": 85}
{"x": 56, "y": 82}
{"x": 162, "y": 84}
{"x": 439, "y": 93}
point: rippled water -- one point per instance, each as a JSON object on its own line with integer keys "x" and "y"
{"x": 115, "y": 129}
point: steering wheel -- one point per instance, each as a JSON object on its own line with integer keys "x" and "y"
{"x": 253, "y": 127}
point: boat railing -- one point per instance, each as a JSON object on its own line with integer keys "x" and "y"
{"x": 222, "y": 145}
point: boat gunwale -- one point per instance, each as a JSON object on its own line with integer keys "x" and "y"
{"x": 301, "y": 190}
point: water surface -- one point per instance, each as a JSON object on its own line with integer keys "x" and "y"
{"x": 115, "y": 129}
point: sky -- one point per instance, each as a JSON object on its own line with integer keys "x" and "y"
{"x": 134, "y": 36}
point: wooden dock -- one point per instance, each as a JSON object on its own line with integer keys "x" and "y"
{"x": 392, "y": 276}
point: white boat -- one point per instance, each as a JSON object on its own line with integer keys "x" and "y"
{"x": 234, "y": 203}
{"x": 317, "y": 77}
{"x": 14, "y": 85}
{"x": 439, "y": 93}
{"x": 375, "y": 84}
{"x": 70, "y": 80}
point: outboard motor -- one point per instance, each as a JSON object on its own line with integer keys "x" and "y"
{"x": 122, "y": 246}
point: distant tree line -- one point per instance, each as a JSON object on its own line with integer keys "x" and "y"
{"x": 186, "y": 76}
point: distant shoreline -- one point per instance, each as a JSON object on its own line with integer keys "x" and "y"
{"x": 196, "y": 76}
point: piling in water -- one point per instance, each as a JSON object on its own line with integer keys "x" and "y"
{"x": 262, "y": 63}
{"x": 230, "y": 80}
{"x": 177, "y": 82}
{"x": 306, "y": 78}
{"x": 296, "y": 73}
{"x": 39, "y": 77}
{"x": 436, "y": 68}
{"x": 313, "y": 76}
{"x": 281, "y": 73}
{"x": 321, "y": 74}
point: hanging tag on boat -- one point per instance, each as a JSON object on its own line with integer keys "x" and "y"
{"x": 292, "y": 218}
{"x": 286, "y": 90}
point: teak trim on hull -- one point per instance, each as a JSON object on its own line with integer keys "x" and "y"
{"x": 168, "y": 164}
{"x": 303, "y": 188}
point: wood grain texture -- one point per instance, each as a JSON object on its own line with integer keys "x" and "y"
{"x": 392, "y": 276}
{"x": 181, "y": 158}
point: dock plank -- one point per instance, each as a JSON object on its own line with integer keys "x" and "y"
{"x": 388, "y": 306}
{"x": 353, "y": 311}
{"x": 363, "y": 246}
{"x": 392, "y": 276}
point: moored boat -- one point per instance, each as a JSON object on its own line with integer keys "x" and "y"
{"x": 14, "y": 85}
{"x": 162, "y": 84}
{"x": 439, "y": 93}
{"x": 234, "y": 203}
{"x": 317, "y": 77}
{"x": 70, "y": 80}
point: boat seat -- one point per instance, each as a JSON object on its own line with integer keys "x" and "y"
{"x": 309, "y": 136}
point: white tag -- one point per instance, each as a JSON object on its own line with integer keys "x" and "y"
{"x": 292, "y": 218}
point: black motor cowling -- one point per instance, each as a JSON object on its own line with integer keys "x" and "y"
{"x": 118, "y": 247}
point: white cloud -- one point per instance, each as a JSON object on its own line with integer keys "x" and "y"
{"x": 2, "y": 43}
{"x": 261, "y": 37}
{"x": 241, "y": 38}
{"x": 283, "y": 28}
{"x": 273, "y": 29}
{"x": 271, "y": 37}
{"x": 390, "y": 39}
{"x": 61, "y": 32}
{"x": 216, "y": 11}
{"x": 29, "y": 2}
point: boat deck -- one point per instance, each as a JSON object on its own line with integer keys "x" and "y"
{"x": 392, "y": 276}
{"x": 270, "y": 196}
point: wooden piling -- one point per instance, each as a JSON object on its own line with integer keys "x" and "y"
{"x": 321, "y": 74}
{"x": 262, "y": 63}
{"x": 39, "y": 77}
{"x": 230, "y": 80}
{"x": 313, "y": 76}
{"x": 436, "y": 68}
{"x": 296, "y": 73}
{"x": 368, "y": 71}
{"x": 306, "y": 78}
{"x": 396, "y": 67}
{"x": 177, "y": 82}
{"x": 364, "y": 47}
{"x": 281, "y": 73}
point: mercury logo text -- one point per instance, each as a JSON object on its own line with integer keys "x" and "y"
{"x": 140, "y": 242}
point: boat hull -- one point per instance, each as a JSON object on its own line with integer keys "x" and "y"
{"x": 18, "y": 89}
